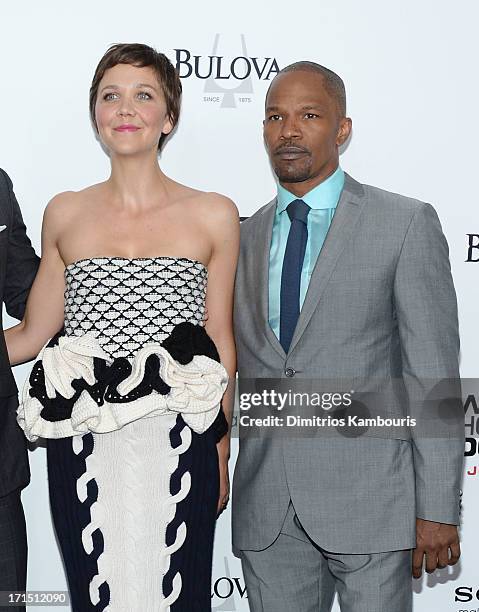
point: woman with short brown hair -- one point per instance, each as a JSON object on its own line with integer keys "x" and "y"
{"x": 129, "y": 393}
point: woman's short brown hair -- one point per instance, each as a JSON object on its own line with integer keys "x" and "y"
{"x": 142, "y": 56}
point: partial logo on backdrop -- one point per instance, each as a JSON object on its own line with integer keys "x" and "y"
{"x": 471, "y": 412}
{"x": 467, "y": 594}
{"x": 472, "y": 247}
{"x": 229, "y": 79}
{"x": 227, "y": 592}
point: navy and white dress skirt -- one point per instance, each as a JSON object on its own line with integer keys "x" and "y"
{"x": 129, "y": 397}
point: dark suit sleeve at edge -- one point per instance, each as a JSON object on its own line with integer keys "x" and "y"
{"x": 22, "y": 262}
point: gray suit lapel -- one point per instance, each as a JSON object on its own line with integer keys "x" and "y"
{"x": 264, "y": 231}
{"x": 344, "y": 221}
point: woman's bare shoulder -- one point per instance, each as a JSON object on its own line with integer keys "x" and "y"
{"x": 66, "y": 205}
{"x": 214, "y": 206}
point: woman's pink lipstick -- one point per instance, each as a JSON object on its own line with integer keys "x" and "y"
{"x": 126, "y": 128}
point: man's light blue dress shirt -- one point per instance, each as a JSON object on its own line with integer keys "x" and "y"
{"x": 322, "y": 200}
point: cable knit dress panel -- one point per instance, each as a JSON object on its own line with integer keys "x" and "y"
{"x": 134, "y": 508}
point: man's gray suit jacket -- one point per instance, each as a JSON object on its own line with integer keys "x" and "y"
{"x": 380, "y": 305}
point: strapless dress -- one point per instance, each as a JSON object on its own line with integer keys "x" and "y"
{"x": 128, "y": 395}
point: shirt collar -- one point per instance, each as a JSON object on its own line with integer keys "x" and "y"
{"x": 324, "y": 195}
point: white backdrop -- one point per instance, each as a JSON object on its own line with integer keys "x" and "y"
{"x": 410, "y": 72}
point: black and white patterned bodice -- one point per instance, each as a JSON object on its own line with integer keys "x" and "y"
{"x": 127, "y": 303}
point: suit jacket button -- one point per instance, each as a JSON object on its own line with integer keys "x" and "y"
{"x": 290, "y": 372}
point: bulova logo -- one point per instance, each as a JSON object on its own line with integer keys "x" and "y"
{"x": 226, "y": 76}
{"x": 226, "y": 591}
{"x": 473, "y": 248}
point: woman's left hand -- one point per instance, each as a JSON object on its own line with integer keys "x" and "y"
{"x": 223, "y": 457}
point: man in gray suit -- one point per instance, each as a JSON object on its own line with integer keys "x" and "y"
{"x": 343, "y": 281}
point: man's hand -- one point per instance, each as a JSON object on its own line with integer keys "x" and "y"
{"x": 438, "y": 542}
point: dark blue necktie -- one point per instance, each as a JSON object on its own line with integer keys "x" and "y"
{"x": 291, "y": 272}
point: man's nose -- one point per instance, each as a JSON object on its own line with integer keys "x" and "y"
{"x": 290, "y": 128}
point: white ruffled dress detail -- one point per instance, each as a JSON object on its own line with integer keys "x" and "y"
{"x": 196, "y": 390}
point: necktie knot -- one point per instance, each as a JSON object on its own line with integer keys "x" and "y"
{"x": 297, "y": 209}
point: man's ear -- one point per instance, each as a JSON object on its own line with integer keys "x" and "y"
{"x": 344, "y": 130}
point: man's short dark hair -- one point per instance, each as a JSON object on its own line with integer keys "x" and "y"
{"x": 142, "y": 56}
{"x": 333, "y": 83}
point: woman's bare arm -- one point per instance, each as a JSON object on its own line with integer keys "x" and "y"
{"x": 45, "y": 310}
{"x": 223, "y": 223}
